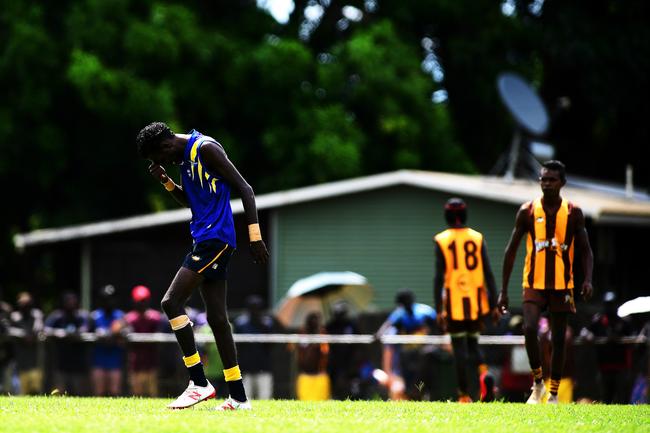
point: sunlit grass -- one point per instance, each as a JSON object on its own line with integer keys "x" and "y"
{"x": 72, "y": 415}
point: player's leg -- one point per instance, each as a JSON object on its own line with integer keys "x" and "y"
{"x": 558, "y": 339}
{"x": 99, "y": 381}
{"x": 115, "y": 382}
{"x": 531, "y": 312}
{"x": 459, "y": 346}
{"x": 173, "y": 304}
{"x": 476, "y": 359}
{"x": 214, "y": 297}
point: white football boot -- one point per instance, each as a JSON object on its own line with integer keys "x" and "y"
{"x": 232, "y": 404}
{"x": 192, "y": 395}
{"x": 537, "y": 394}
{"x": 552, "y": 399}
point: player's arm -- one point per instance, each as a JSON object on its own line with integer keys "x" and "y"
{"x": 488, "y": 275}
{"x": 215, "y": 159}
{"x": 159, "y": 173}
{"x": 510, "y": 255}
{"x": 383, "y": 328}
{"x": 490, "y": 282}
{"x": 587, "y": 256}
{"x": 438, "y": 281}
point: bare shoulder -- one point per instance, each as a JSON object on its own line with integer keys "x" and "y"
{"x": 575, "y": 209}
{"x": 576, "y": 215}
{"x": 524, "y": 210}
{"x": 211, "y": 146}
{"x": 525, "y": 207}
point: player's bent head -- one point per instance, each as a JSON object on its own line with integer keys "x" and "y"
{"x": 558, "y": 166}
{"x": 455, "y": 211}
{"x": 150, "y": 138}
{"x": 405, "y": 297}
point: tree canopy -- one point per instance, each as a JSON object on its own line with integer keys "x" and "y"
{"x": 327, "y": 95}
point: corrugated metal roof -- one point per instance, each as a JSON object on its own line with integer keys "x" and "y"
{"x": 601, "y": 206}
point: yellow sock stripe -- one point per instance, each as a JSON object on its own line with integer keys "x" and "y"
{"x": 192, "y": 360}
{"x": 555, "y": 384}
{"x": 537, "y": 373}
{"x": 232, "y": 374}
{"x": 215, "y": 259}
{"x": 180, "y": 322}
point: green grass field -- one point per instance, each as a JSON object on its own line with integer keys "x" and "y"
{"x": 73, "y": 415}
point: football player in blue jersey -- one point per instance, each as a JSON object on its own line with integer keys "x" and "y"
{"x": 206, "y": 178}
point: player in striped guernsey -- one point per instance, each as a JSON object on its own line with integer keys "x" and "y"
{"x": 206, "y": 178}
{"x": 464, "y": 293}
{"x": 554, "y": 229}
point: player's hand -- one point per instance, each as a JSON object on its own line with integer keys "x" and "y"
{"x": 502, "y": 302}
{"x": 441, "y": 320}
{"x": 495, "y": 315}
{"x": 259, "y": 252}
{"x": 586, "y": 291}
{"x": 158, "y": 172}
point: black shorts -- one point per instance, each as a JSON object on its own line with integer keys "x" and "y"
{"x": 464, "y": 326}
{"x": 209, "y": 258}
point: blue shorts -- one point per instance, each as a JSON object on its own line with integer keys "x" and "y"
{"x": 209, "y": 258}
{"x": 108, "y": 358}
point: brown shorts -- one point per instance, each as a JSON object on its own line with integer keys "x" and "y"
{"x": 556, "y": 301}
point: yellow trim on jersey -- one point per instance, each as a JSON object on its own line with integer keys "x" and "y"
{"x": 192, "y": 360}
{"x": 231, "y": 374}
{"x": 193, "y": 153}
{"x": 214, "y": 260}
{"x": 200, "y": 172}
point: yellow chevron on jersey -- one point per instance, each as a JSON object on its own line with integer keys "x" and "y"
{"x": 549, "y": 256}
{"x": 464, "y": 297}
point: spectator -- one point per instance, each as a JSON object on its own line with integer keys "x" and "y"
{"x": 6, "y": 349}
{"x": 108, "y": 351}
{"x": 404, "y": 362}
{"x": 614, "y": 359}
{"x": 142, "y": 361}
{"x": 254, "y": 358}
{"x": 313, "y": 382}
{"x": 515, "y": 374}
{"x": 28, "y": 321}
{"x": 641, "y": 388}
{"x": 67, "y": 324}
{"x": 342, "y": 366}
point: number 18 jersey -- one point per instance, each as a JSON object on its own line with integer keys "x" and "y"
{"x": 465, "y": 295}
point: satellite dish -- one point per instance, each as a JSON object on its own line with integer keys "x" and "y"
{"x": 523, "y": 103}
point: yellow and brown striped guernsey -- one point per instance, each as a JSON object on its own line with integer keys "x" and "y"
{"x": 464, "y": 279}
{"x": 549, "y": 248}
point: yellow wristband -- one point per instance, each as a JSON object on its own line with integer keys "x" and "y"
{"x": 254, "y": 233}
{"x": 169, "y": 185}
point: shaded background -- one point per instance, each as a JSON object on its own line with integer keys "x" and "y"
{"x": 339, "y": 89}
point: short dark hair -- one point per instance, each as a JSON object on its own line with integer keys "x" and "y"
{"x": 558, "y": 166}
{"x": 455, "y": 211}
{"x": 405, "y": 297}
{"x": 150, "y": 137}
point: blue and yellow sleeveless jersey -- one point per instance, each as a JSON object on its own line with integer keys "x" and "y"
{"x": 208, "y": 195}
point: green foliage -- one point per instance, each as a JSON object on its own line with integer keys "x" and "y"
{"x": 80, "y": 78}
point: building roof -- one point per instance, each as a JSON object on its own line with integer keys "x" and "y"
{"x": 603, "y": 206}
